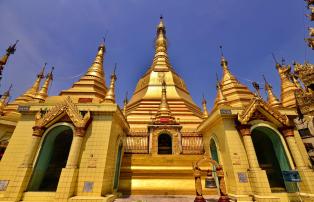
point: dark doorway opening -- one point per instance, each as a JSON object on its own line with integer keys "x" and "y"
{"x": 272, "y": 158}
{"x": 52, "y": 158}
{"x": 164, "y": 144}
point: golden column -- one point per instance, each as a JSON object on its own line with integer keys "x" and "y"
{"x": 245, "y": 131}
{"x": 32, "y": 149}
{"x": 288, "y": 133}
{"x": 306, "y": 174}
{"x": 75, "y": 149}
{"x": 258, "y": 178}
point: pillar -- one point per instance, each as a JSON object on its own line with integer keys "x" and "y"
{"x": 245, "y": 131}
{"x": 32, "y": 149}
{"x": 257, "y": 176}
{"x": 75, "y": 149}
{"x": 306, "y": 174}
{"x": 288, "y": 133}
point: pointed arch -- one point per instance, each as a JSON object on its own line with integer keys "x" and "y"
{"x": 44, "y": 119}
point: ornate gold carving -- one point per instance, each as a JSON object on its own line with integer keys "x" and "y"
{"x": 137, "y": 144}
{"x": 38, "y": 131}
{"x": 256, "y": 104}
{"x": 192, "y": 145}
{"x": 66, "y": 107}
{"x": 244, "y": 129}
{"x": 287, "y": 132}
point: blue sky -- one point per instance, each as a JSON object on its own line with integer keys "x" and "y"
{"x": 66, "y": 34}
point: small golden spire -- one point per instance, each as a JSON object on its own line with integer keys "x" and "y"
{"x": 110, "y": 96}
{"x": 205, "y": 112}
{"x": 227, "y": 76}
{"x": 161, "y": 60}
{"x": 92, "y": 84}
{"x": 125, "y": 102}
{"x": 287, "y": 86}
{"x": 4, "y": 99}
{"x": 43, "y": 93}
{"x": 164, "y": 114}
{"x": 271, "y": 98}
{"x": 31, "y": 92}
{"x": 220, "y": 98}
{"x": 10, "y": 50}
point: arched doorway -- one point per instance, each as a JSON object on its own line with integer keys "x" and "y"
{"x": 52, "y": 158}
{"x": 118, "y": 166}
{"x": 164, "y": 144}
{"x": 213, "y": 150}
{"x": 272, "y": 158}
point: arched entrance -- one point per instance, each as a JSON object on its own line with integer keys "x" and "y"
{"x": 164, "y": 144}
{"x": 213, "y": 150}
{"x": 272, "y": 158}
{"x": 52, "y": 158}
{"x": 118, "y": 166}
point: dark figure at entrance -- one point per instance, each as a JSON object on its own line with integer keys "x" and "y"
{"x": 164, "y": 144}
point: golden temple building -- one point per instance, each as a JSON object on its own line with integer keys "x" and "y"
{"x": 82, "y": 146}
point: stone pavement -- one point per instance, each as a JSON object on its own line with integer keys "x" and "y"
{"x": 161, "y": 198}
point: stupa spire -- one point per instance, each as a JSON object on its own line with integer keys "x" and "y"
{"x": 161, "y": 60}
{"x": 205, "y": 112}
{"x": 227, "y": 76}
{"x": 230, "y": 89}
{"x": 164, "y": 114}
{"x": 10, "y": 50}
{"x": 271, "y": 98}
{"x": 4, "y": 99}
{"x": 125, "y": 103}
{"x": 31, "y": 92}
{"x": 43, "y": 93}
{"x": 92, "y": 84}
{"x": 287, "y": 86}
{"x": 220, "y": 98}
{"x": 110, "y": 96}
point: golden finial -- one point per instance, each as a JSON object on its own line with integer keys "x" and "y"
{"x": 10, "y": 51}
{"x": 287, "y": 86}
{"x": 31, "y": 92}
{"x": 4, "y": 99}
{"x": 125, "y": 102}
{"x": 43, "y": 93}
{"x": 220, "y": 99}
{"x": 110, "y": 96}
{"x": 224, "y": 62}
{"x": 271, "y": 98}
{"x": 205, "y": 112}
{"x": 164, "y": 113}
{"x": 161, "y": 60}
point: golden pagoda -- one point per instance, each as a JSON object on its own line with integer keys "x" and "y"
{"x": 80, "y": 146}
{"x": 146, "y": 98}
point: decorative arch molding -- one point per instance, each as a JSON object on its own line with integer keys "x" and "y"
{"x": 67, "y": 107}
{"x": 258, "y": 109}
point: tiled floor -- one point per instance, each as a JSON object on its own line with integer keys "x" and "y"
{"x": 158, "y": 198}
